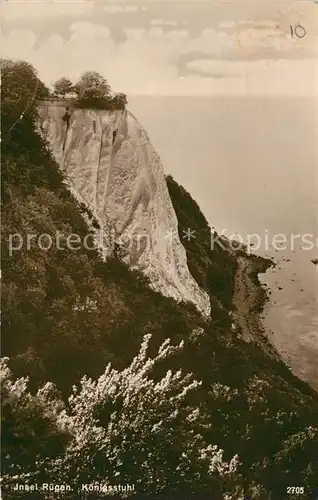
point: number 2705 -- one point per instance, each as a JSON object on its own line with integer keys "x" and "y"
{"x": 299, "y": 490}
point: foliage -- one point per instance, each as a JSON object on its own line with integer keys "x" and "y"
{"x": 143, "y": 426}
{"x": 124, "y": 427}
{"x": 63, "y": 86}
{"x": 20, "y": 87}
{"x": 92, "y": 90}
{"x": 25, "y": 165}
{"x": 32, "y": 437}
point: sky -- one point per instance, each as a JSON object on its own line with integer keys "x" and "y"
{"x": 211, "y": 47}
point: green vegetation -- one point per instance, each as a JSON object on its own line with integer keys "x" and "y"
{"x": 67, "y": 314}
{"x": 121, "y": 416}
{"x": 92, "y": 91}
{"x": 212, "y": 266}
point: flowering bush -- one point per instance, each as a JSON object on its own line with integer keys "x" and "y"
{"x": 131, "y": 429}
{"x": 128, "y": 428}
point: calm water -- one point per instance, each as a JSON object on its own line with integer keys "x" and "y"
{"x": 252, "y": 165}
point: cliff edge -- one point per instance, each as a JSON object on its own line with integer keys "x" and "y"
{"x": 120, "y": 178}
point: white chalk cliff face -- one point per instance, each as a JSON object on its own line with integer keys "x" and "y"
{"x": 123, "y": 184}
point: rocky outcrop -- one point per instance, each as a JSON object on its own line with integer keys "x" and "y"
{"x": 121, "y": 179}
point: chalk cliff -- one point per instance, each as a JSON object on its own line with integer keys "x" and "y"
{"x": 123, "y": 184}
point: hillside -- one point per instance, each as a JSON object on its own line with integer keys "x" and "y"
{"x": 68, "y": 313}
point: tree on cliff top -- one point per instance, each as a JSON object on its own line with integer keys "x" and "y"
{"x": 63, "y": 86}
{"x": 119, "y": 101}
{"x": 93, "y": 89}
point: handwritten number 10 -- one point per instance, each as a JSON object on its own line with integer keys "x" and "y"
{"x": 297, "y": 30}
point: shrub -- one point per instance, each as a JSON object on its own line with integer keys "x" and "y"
{"x": 125, "y": 427}
{"x": 32, "y": 436}
{"x": 118, "y": 101}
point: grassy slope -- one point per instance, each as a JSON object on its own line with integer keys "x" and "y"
{"x": 49, "y": 337}
{"x": 213, "y": 268}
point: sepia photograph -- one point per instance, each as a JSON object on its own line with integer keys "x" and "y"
{"x": 159, "y": 250}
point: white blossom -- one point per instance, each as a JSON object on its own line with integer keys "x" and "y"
{"x": 125, "y": 425}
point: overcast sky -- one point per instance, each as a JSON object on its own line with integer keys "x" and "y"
{"x": 169, "y": 48}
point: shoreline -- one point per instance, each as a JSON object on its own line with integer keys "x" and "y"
{"x": 249, "y": 300}
{"x": 297, "y": 345}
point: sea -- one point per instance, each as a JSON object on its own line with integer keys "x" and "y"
{"x": 252, "y": 166}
